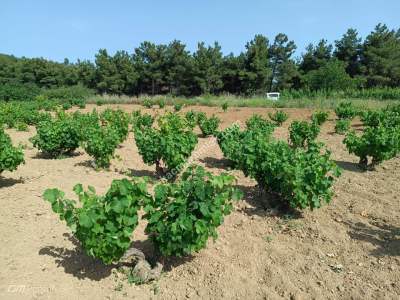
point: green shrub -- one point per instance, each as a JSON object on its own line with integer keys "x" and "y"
{"x": 380, "y": 143}
{"x": 168, "y": 146}
{"x": 230, "y": 143}
{"x": 345, "y": 110}
{"x": 208, "y": 126}
{"x": 68, "y": 93}
{"x": 258, "y": 123}
{"x": 161, "y": 103}
{"x": 387, "y": 117}
{"x": 66, "y": 106}
{"x": 191, "y": 118}
{"x": 302, "y": 133}
{"x": 183, "y": 216}
{"x": 102, "y": 224}
{"x": 319, "y": 117}
{"x": 18, "y": 92}
{"x": 225, "y": 106}
{"x": 85, "y": 121}
{"x": 139, "y": 120}
{"x": 178, "y": 106}
{"x": 57, "y": 136}
{"x": 279, "y": 117}
{"x": 301, "y": 177}
{"x": 10, "y": 157}
{"x": 342, "y": 126}
{"x": 100, "y": 143}
{"x": 21, "y": 126}
{"x": 118, "y": 120}
{"x": 147, "y": 103}
{"x": 81, "y": 103}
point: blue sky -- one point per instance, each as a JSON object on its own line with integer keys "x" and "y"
{"x": 77, "y": 29}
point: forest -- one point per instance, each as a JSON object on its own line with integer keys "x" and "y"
{"x": 350, "y": 64}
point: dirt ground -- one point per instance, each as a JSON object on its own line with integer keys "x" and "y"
{"x": 349, "y": 249}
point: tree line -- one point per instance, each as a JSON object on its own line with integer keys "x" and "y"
{"x": 349, "y": 63}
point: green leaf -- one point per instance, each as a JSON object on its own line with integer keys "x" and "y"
{"x": 84, "y": 220}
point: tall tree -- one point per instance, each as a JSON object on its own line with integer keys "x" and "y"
{"x": 283, "y": 68}
{"x": 178, "y": 68}
{"x": 348, "y": 50}
{"x": 316, "y": 56}
{"x": 258, "y": 71}
{"x": 150, "y": 62}
{"x": 127, "y": 76}
{"x": 86, "y": 73}
{"x": 207, "y": 68}
{"x": 331, "y": 76}
{"x": 106, "y": 72}
{"x": 233, "y": 73}
{"x": 381, "y": 57}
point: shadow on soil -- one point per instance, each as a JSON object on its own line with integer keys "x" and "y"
{"x": 42, "y": 155}
{"x": 76, "y": 262}
{"x": 8, "y": 182}
{"x": 86, "y": 163}
{"x": 147, "y": 247}
{"x": 215, "y": 163}
{"x": 140, "y": 173}
{"x": 385, "y": 237}
{"x": 349, "y": 166}
{"x": 265, "y": 204}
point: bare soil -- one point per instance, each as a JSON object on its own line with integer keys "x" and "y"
{"x": 349, "y": 249}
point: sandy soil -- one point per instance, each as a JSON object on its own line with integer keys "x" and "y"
{"x": 349, "y": 249}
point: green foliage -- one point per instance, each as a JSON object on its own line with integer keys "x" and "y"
{"x": 118, "y": 120}
{"x": 170, "y": 144}
{"x": 342, "y": 126}
{"x": 191, "y": 117}
{"x": 100, "y": 143}
{"x": 319, "y": 117}
{"x": 147, "y": 103}
{"x": 238, "y": 146}
{"x": 388, "y": 118}
{"x": 10, "y": 157}
{"x": 279, "y": 117}
{"x": 380, "y": 140}
{"x": 178, "y": 106}
{"x": 20, "y": 126}
{"x": 74, "y": 94}
{"x": 345, "y": 110}
{"x": 352, "y": 68}
{"x": 330, "y": 76}
{"x": 161, "y": 103}
{"x": 258, "y": 123}
{"x": 301, "y": 177}
{"x": 66, "y": 106}
{"x": 57, "y": 136}
{"x": 183, "y": 216}
{"x": 302, "y": 133}
{"x": 18, "y": 92}
{"x": 13, "y": 113}
{"x": 139, "y": 120}
{"x": 208, "y": 126}
{"x": 230, "y": 143}
{"x": 225, "y": 106}
{"x": 85, "y": 121}
{"x": 102, "y": 224}
{"x": 380, "y": 58}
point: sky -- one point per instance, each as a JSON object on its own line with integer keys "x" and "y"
{"x": 78, "y": 29}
